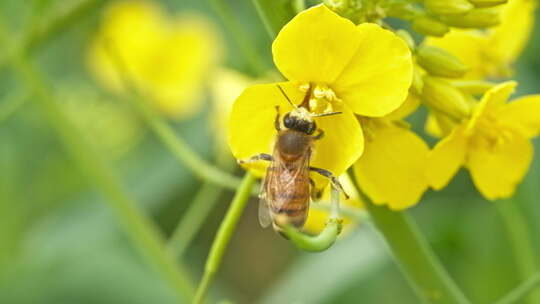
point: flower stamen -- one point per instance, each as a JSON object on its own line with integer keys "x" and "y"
{"x": 322, "y": 99}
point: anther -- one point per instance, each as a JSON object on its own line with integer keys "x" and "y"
{"x": 304, "y": 87}
{"x": 319, "y": 92}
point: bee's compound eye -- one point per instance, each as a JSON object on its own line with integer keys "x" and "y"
{"x": 288, "y": 121}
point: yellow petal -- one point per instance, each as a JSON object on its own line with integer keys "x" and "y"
{"x": 496, "y": 170}
{"x": 318, "y": 216}
{"x": 407, "y": 108}
{"x": 432, "y": 127}
{"x": 522, "y": 114}
{"x": 493, "y": 99}
{"x": 446, "y": 158}
{"x": 377, "y": 79}
{"x": 510, "y": 37}
{"x": 341, "y": 146}
{"x": 251, "y": 123}
{"x": 251, "y": 130}
{"x": 391, "y": 170}
{"x": 315, "y": 46}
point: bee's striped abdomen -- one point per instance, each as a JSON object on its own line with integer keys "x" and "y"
{"x": 291, "y": 202}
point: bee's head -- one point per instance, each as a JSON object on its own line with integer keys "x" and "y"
{"x": 299, "y": 119}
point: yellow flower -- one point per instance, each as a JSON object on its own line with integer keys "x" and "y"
{"x": 493, "y": 144}
{"x": 392, "y": 169}
{"x": 490, "y": 53}
{"x": 360, "y": 69}
{"x": 167, "y": 59}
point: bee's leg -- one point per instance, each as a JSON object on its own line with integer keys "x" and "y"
{"x": 315, "y": 194}
{"x": 333, "y": 179}
{"x": 319, "y": 135}
{"x": 277, "y": 120}
{"x": 258, "y": 157}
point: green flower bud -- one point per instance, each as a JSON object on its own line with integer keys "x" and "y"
{"x": 448, "y": 7}
{"x": 402, "y": 10}
{"x": 429, "y": 26}
{"x": 439, "y": 62}
{"x": 487, "y": 3}
{"x": 475, "y": 87}
{"x": 475, "y": 18}
{"x": 403, "y": 34}
{"x": 440, "y": 95}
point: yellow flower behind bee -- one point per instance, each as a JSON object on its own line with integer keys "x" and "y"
{"x": 392, "y": 169}
{"x": 225, "y": 86}
{"x": 362, "y": 69}
{"x": 491, "y": 53}
{"x": 493, "y": 144}
{"x": 167, "y": 59}
{"x": 317, "y": 217}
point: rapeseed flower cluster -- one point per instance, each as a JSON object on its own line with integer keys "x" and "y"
{"x": 341, "y": 57}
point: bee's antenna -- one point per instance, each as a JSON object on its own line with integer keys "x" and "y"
{"x": 286, "y": 97}
{"x": 325, "y": 114}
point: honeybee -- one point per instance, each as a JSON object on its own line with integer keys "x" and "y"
{"x": 287, "y": 188}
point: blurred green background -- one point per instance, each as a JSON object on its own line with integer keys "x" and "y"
{"x": 60, "y": 243}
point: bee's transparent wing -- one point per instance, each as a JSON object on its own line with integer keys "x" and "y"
{"x": 264, "y": 214}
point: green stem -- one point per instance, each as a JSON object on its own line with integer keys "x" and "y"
{"x": 198, "y": 210}
{"x": 194, "y": 217}
{"x": 224, "y": 234}
{"x": 326, "y": 238}
{"x": 318, "y": 243}
{"x": 274, "y": 14}
{"x": 521, "y": 291}
{"x": 181, "y": 149}
{"x": 247, "y": 47}
{"x": 411, "y": 251}
{"x": 142, "y": 231}
{"x": 518, "y": 234}
{"x": 11, "y": 105}
{"x": 59, "y": 24}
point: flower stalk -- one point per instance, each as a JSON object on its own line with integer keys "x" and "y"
{"x": 521, "y": 291}
{"x": 519, "y": 237}
{"x": 198, "y": 210}
{"x": 413, "y": 254}
{"x": 40, "y": 36}
{"x": 274, "y": 14}
{"x": 251, "y": 54}
{"x": 224, "y": 235}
